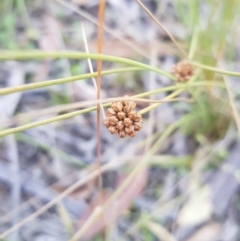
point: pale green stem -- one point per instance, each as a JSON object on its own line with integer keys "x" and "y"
{"x": 126, "y": 183}
{"x": 174, "y": 87}
{"x": 194, "y": 43}
{"x": 18, "y": 55}
{"x": 31, "y": 86}
{"x": 153, "y": 106}
{"x": 6, "y": 55}
{"x": 216, "y": 70}
{"x": 47, "y": 121}
{"x": 75, "y": 113}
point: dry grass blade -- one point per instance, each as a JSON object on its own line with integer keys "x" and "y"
{"x": 65, "y": 193}
{"x": 140, "y": 167}
{"x": 101, "y": 11}
{"x": 76, "y": 113}
{"x": 90, "y": 66}
{"x": 23, "y": 117}
{"x": 94, "y": 20}
{"x": 162, "y": 27}
{"x": 97, "y": 211}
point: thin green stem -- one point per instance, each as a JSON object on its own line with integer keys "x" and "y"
{"x": 194, "y": 43}
{"x": 141, "y": 165}
{"x": 178, "y": 86}
{"x": 153, "y": 106}
{"x": 31, "y": 86}
{"x": 216, "y": 70}
{"x": 7, "y": 55}
{"x": 47, "y": 121}
{"x": 79, "y": 112}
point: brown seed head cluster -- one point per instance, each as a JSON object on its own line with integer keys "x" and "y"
{"x": 183, "y": 71}
{"x": 122, "y": 119}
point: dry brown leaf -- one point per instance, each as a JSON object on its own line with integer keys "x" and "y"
{"x": 116, "y": 208}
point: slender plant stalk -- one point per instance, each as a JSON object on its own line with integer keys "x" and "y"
{"x": 81, "y": 104}
{"x": 82, "y": 181}
{"x": 53, "y": 110}
{"x": 90, "y": 65}
{"x": 7, "y": 55}
{"x": 161, "y": 26}
{"x": 107, "y": 29}
{"x": 18, "y": 55}
{"x": 43, "y": 84}
{"x": 124, "y": 185}
{"x": 91, "y": 176}
{"x": 75, "y": 113}
{"x": 129, "y": 179}
{"x": 216, "y": 70}
{"x": 101, "y": 10}
{"x": 47, "y": 121}
{"x": 153, "y": 106}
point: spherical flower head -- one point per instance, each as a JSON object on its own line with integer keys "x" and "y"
{"x": 122, "y": 119}
{"x": 183, "y": 71}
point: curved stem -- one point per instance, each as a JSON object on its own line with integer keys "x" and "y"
{"x": 47, "y": 121}
{"x": 161, "y": 26}
{"x": 31, "y": 86}
{"x": 79, "y": 112}
{"x": 216, "y": 70}
{"x": 7, "y": 55}
{"x": 153, "y": 106}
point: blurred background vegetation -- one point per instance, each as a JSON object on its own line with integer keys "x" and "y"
{"x": 181, "y": 172}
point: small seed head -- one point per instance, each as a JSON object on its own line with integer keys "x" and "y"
{"x": 130, "y": 106}
{"x": 127, "y": 122}
{"x": 117, "y": 106}
{"x": 137, "y": 118}
{"x": 121, "y": 115}
{"x": 113, "y": 120}
{"x": 129, "y": 130}
{"x": 111, "y": 112}
{"x": 137, "y": 126}
{"x": 112, "y": 129}
{"x": 120, "y": 126}
{"x": 132, "y": 134}
{"x": 122, "y": 134}
{"x": 183, "y": 71}
{"x": 125, "y": 102}
{"x": 106, "y": 122}
{"x": 131, "y": 115}
{"x": 122, "y": 119}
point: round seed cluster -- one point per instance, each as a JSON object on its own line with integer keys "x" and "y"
{"x": 122, "y": 119}
{"x": 183, "y": 71}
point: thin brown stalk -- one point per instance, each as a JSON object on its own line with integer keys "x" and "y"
{"x": 101, "y": 10}
{"x": 28, "y": 116}
{"x": 162, "y": 27}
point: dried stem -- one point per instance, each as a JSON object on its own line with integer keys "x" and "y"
{"x": 101, "y": 10}
{"x": 18, "y": 55}
{"x": 9, "y": 90}
{"x": 90, "y": 66}
{"x": 161, "y": 26}
{"x": 75, "y": 113}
